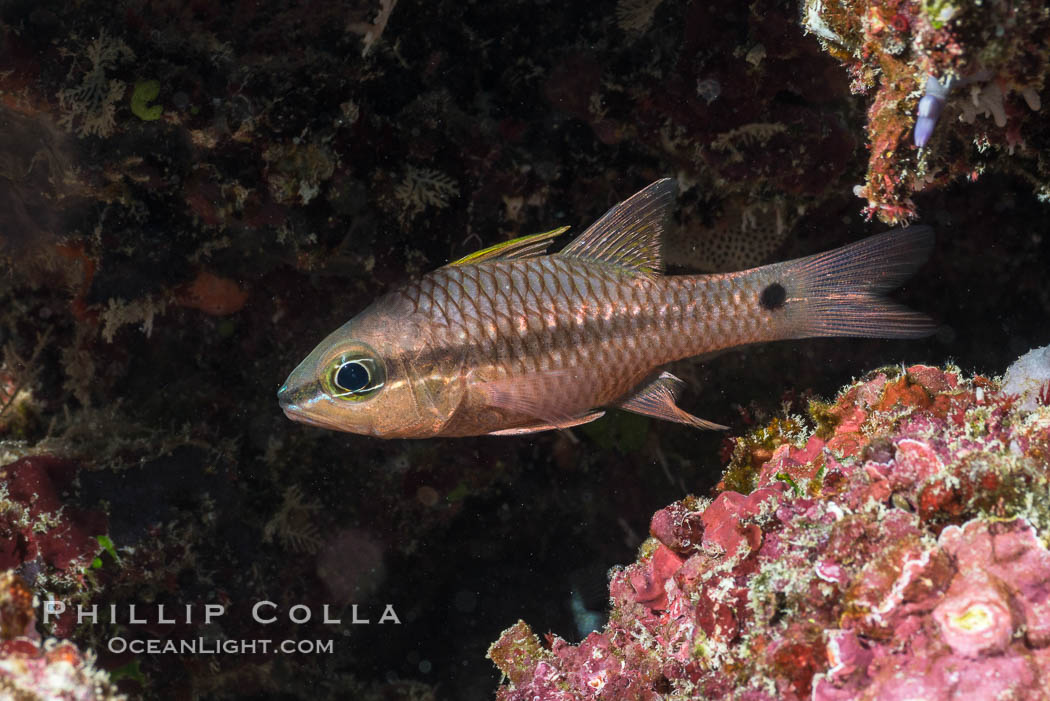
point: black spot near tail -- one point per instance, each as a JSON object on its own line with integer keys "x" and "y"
{"x": 773, "y": 297}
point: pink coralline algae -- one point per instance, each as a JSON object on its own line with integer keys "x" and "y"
{"x": 896, "y": 549}
{"x": 33, "y": 669}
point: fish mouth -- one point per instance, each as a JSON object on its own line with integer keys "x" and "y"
{"x": 302, "y": 416}
{"x": 293, "y": 413}
{"x": 286, "y": 399}
{"x": 293, "y": 400}
{"x": 296, "y": 414}
{"x": 303, "y": 405}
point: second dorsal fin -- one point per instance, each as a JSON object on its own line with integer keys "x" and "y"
{"x": 522, "y": 247}
{"x": 629, "y": 235}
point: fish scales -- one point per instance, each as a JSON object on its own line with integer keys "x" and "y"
{"x": 589, "y": 318}
{"x": 508, "y": 340}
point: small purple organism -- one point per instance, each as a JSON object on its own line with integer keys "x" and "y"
{"x": 930, "y": 106}
{"x": 932, "y": 102}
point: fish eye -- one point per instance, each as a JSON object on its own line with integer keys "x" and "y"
{"x": 354, "y": 377}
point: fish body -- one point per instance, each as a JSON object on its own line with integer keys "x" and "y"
{"x": 510, "y": 340}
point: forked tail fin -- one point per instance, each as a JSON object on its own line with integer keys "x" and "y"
{"x": 840, "y": 292}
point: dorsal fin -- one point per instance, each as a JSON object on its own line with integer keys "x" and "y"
{"x": 629, "y": 234}
{"x": 522, "y": 247}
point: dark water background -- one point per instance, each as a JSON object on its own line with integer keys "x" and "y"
{"x": 307, "y": 178}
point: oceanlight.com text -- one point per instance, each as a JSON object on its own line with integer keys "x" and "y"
{"x": 203, "y": 646}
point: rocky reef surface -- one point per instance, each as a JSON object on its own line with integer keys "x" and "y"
{"x": 890, "y": 545}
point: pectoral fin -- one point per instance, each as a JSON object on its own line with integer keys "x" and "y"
{"x": 657, "y": 399}
{"x": 546, "y": 396}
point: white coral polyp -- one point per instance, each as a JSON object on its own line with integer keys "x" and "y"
{"x": 1028, "y": 376}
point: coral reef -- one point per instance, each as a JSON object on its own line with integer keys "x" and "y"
{"x": 906, "y": 532}
{"x": 916, "y": 60}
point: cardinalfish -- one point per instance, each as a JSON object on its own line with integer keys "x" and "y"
{"x": 510, "y": 340}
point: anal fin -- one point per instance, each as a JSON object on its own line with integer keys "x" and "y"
{"x": 536, "y": 428}
{"x": 657, "y": 399}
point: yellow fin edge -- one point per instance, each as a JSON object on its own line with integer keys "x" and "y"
{"x": 521, "y": 247}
